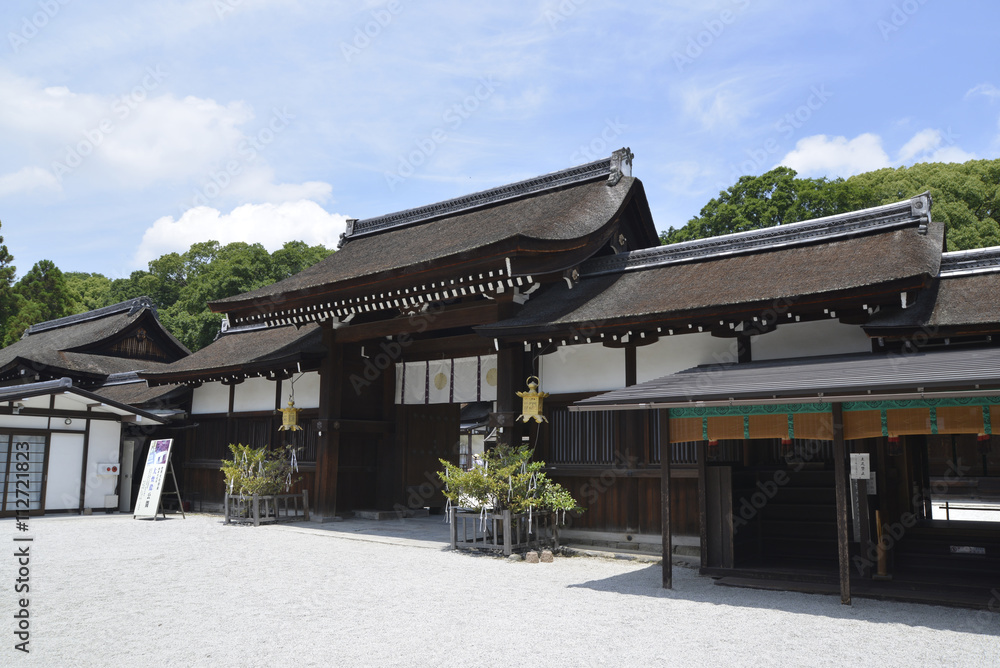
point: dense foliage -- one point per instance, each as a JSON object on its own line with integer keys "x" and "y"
{"x": 966, "y": 198}
{"x": 180, "y": 284}
{"x": 258, "y": 470}
{"x": 506, "y": 480}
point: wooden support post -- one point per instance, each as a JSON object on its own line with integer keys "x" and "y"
{"x": 506, "y": 533}
{"x": 703, "y": 500}
{"x": 840, "y": 478}
{"x": 865, "y": 525}
{"x": 668, "y": 549}
{"x": 453, "y": 528}
{"x": 328, "y": 442}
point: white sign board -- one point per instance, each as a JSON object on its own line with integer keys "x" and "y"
{"x": 860, "y": 466}
{"x": 148, "y": 501}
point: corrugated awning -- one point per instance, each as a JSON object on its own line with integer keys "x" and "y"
{"x": 941, "y": 374}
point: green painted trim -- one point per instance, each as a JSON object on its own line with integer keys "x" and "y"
{"x": 772, "y": 409}
{"x": 746, "y": 426}
{"x": 919, "y": 403}
{"x": 821, "y": 407}
{"x": 933, "y": 412}
{"x": 885, "y": 424}
{"x": 987, "y": 422}
{"x": 704, "y": 429}
{"x": 791, "y": 425}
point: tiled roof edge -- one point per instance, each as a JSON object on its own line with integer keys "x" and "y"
{"x": 885, "y": 217}
{"x": 975, "y": 261}
{"x": 614, "y": 167}
{"x": 131, "y": 306}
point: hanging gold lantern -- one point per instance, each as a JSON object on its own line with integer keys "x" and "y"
{"x": 290, "y": 417}
{"x": 531, "y": 402}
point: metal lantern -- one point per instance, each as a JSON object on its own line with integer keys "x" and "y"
{"x": 290, "y": 417}
{"x": 531, "y": 402}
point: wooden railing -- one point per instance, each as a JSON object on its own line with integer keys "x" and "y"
{"x": 503, "y": 531}
{"x": 257, "y": 510}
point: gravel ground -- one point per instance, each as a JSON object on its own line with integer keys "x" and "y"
{"x": 110, "y": 590}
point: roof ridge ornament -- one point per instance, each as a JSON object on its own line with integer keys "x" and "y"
{"x": 621, "y": 165}
{"x": 973, "y": 261}
{"x": 817, "y": 230}
{"x": 620, "y": 160}
{"x": 130, "y": 306}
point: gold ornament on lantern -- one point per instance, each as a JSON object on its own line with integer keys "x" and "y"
{"x": 290, "y": 417}
{"x": 531, "y": 402}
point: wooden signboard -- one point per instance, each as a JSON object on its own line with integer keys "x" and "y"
{"x": 147, "y": 504}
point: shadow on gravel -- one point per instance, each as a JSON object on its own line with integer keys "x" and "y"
{"x": 689, "y": 586}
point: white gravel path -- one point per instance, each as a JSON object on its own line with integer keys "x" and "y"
{"x": 113, "y": 591}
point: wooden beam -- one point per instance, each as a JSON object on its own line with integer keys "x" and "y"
{"x": 465, "y": 316}
{"x": 840, "y": 480}
{"x": 668, "y": 548}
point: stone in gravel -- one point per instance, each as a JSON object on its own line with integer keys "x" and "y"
{"x": 531, "y": 557}
{"x": 515, "y": 557}
{"x": 546, "y": 556}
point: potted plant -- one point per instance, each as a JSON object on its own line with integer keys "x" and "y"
{"x": 257, "y": 484}
{"x": 506, "y": 500}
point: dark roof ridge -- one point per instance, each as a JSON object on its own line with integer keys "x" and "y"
{"x": 614, "y": 167}
{"x": 131, "y": 306}
{"x": 973, "y": 261}
{"x": 884, "y": 217}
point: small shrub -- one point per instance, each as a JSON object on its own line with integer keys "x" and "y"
{"x": 507, "y": 480}
{"x": 258, "y": 471}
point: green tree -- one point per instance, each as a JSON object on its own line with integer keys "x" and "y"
{"x": 42, "y": 294}
{"x": 90, "y": 291}
{"x": 966, "y": 199}
{"x": 7, "y": 273}
{"x": 773, "y": 198}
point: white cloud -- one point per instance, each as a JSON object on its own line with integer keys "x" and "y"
{"x": 713, "y": 106}
{"x": 268, "y": 224}
{"x": 821, "y": 155}
{"x": 987, "y": 90}
{"x": 27, "y": 179}
{"x": 141, "y": 138}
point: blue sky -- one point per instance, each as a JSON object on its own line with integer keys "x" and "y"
{"x": 132, "y": 129}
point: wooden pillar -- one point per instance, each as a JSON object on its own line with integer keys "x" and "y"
{"x": 328, "y": 442}
{"x": 703, "y": 500}
{"x": 510, "y": 379}
{"x": 840, "y": 480}
{"x": 668, "y": 548}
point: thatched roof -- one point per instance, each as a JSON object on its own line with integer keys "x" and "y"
{"x": 737, "y": 274}
{"x": 83, "y": 346}
{"x": 242, "y": 352}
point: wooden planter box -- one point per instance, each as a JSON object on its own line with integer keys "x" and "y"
{"x": 503, "y": 531}
{"x": 259, "y": 510}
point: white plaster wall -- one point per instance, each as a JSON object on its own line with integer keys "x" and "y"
{"x": 682, "y": 351}
{"x": 75, "y": 424}
{"x": 62, "y": 489}
{"x": 585, "y": 368}
{"x": 23, "y": 422}
{"x": 210, "y": 398}
{"x": 255, "y": 394}
{"x": 810, "y": 339}
{"x": 103, "y": 446}
{"x": 306, "y": 390}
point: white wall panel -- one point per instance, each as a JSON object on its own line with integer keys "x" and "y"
{"x": 62, "y": 491}
{"x": 103, "y": 446}
{"x": 809, "y": 339}
{"x": 584, "y": 368}
{"x": 23, "y": 422}
{"x": 306, "y": 390}
{"x": 210, "y": 398}
{"x": 682, "y": 351}
{"x": 256, "y": 394}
